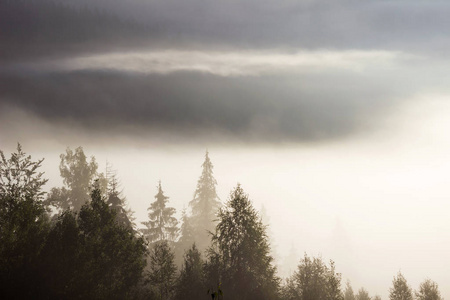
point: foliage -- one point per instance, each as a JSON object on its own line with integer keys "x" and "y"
{"x": 161, "y": 225}
{"x": 314, "y": 280}
{"x": 109, "y": 258}
{"x": 191, "y": 282}
{"x": 400, "y": 289}
{"x": 362, "y": 294}
{"x": 240, "y": 252}
{"x": 78, "y": 176}
{"x": 23, "y": 224}
{"x": 162, "y": 270}
{"x": 118, "y": 203}
{"x": 186, "y": 238}
{"x": 348, "y": 293}
{"x": 428, "y": 290}
{"x": 204, "y": 205}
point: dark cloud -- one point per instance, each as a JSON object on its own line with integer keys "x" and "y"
{"x": 251, "y": 109}
{"x": 36, "y": 29}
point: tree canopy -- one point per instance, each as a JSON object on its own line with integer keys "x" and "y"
{"x": 241, "y": 253}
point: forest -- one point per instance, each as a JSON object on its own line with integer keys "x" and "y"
{"x": 81, "y": 241}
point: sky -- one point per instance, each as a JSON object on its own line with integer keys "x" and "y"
{"x": 333, "y": 116}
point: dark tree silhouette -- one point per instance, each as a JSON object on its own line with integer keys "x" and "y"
{"x": 240, "y": 252}
{"x": 90, "y": 256}
{"x": 23, "y": 224}
{"x": 191, "y": 282}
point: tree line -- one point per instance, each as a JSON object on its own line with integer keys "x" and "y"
{"x": 80, "y": 241}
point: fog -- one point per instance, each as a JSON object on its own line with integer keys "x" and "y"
{"x": 334, "y": 118}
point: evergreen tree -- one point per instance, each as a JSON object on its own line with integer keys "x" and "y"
{"x": 240, "y": 252}
{"x": 348, "y": 293}
{"x": 186, "y": 238}
{"x": 78, "y": 176}
{"x": 400, "y": 289}
{"x": 118, "y": 203}
{"x": 89, "y": 256}
{"x": 161, "y": 225}
{"x": 204, "y": 205}
{"x": 314, "y": 280}
{"x": 162, "y": 271}
{"x": 362, "y": 294}
{"x": 376, "y": 297}
{"x": 191, "y": 283}
{"x": 428, "y": 290}
{"x": 23, "y": 225}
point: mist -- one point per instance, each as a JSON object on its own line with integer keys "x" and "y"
{"x": 330, "y": 119}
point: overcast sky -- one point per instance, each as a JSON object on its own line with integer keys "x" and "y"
{"x": 334, "y": 115}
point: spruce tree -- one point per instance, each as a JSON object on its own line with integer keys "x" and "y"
{"x": 117, "y": 203}
{"x": 161, "y": 225}
{"x": 240, "y": 247}
{"x": 204, "y": 205}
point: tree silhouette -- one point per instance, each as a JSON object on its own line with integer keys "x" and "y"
{"x": 161, "y": 225}
{"x": 400, "y": 289}
{"x": 204, "y": 205}
{"x": 242, "y": 252}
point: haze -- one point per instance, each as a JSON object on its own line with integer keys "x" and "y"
{"x": 333, "y": 116}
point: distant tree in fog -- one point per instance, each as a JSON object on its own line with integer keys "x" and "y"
{"x": 362, "y": 294}
{"x": 204, "y": 205}
{"x": 428, "y": 290}
{"x": 162, "y": 225}
{"x": 400, "y": 289}
{"x": 78, "y": 176}
{"x": 117, "y": 202}
{"x": 348, "y": 293}
{"x": 376, "y": 297}
{"x": 313, "y": 280}
{"x": 239, "y": 257}
{"x": 186, "y": 237}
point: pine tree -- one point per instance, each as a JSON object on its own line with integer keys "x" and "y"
{"x": 204, "y": 205}
{"x": 241, "y": 248}
{"x": 161, "y": 225}
{"x": 400, "y": 289}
